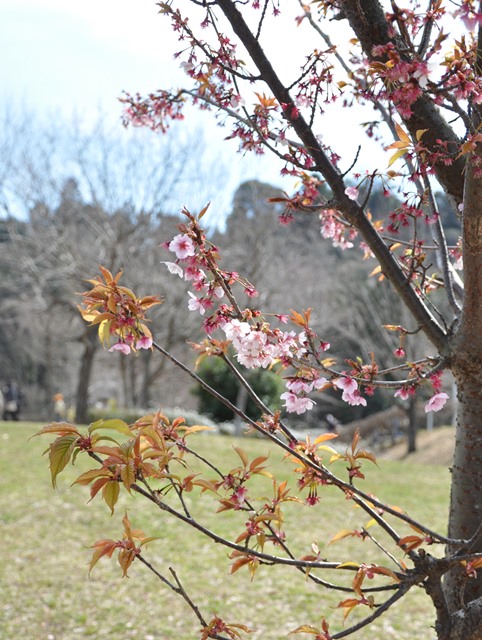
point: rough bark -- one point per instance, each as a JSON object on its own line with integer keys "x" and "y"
{"x": 466, "y": 495}
{"x": 466, "y": 624}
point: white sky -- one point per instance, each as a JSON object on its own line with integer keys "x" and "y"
{"x": 79, "y": 55}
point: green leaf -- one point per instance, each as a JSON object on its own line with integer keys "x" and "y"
{"x": 114, "y": 424}
{"x": 96, "y": 438}
{"x": 343, "y": 565}
{"x": 60, "y": 453}
{"x": 147, "y": 540}
{"x": 110, "y": 494}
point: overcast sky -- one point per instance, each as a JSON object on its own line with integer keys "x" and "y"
{"x": 79, "y": 55}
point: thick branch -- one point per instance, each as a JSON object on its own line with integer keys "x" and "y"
{"x": 353, "y": 212}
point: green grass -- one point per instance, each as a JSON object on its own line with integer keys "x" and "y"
{"x": 45, "y": 589}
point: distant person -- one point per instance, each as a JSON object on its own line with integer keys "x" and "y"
{"x": 11, "y": 401}
{"x": 332, "y": 423}
{"x": 60, "y": 408}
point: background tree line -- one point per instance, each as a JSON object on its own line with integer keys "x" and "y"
{"x": 74, "y": 196}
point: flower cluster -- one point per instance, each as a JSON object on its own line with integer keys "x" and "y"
{"x": 351, "y": 393}
{"x": 339, "y": 232}
{"x": 263, "y": 346}
{"x": 195, "y": 259}
{"x": 117, "y": 312}
{"x": 295, "y": 399}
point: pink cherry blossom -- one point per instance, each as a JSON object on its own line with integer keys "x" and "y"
{"x": 347, "y": 384}
{"x": 193, "y": 272}
{"x": 122, "y": 347}
{"x": 436, "y": 402}
{"x": 182, "y": 246}
{"x": 174, "y": 268}
{"x": 255, "y": 351}
{"x": 402, "y": 393}
{"x": 319, "y": 383}
{"x": 239, "y": 497}
{"x": 354, "y": 399}
{"x": 195, "y": 304}
{"x": 352, "y": 193}
{"x": 294, "y": 404}
{"x": 218, "y": 292}
{"x": 236, "y": 329}
{"x": 144, "y": 343}
{"x": 298, "y": 385}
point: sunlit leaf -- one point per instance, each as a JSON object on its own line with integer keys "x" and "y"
{"x": 305, "y": 628}
{"x": 344, "y": 533}
{"x": 324, "y": 437}
{"x": 104, "y": 331}
{"x": 242, "y": 454}
{"x": 110, "y": 494}
{"x": 396, "y": 156}
{"x": 88, "y": 476}
{"x": 198, "y": 427}
{"x": 402, "y": 134}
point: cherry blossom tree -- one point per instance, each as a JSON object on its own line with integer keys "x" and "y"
{"x": 416, "y": 72}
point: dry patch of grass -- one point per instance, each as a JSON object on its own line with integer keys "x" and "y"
{"x": 433, "y": 447}
{"x": 45, "y": 588}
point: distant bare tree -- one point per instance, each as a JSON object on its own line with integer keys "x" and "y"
{"x": 76, "y": 197}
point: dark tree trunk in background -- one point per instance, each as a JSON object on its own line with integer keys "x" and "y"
{"x": 90, "y": 343}
{"x": 412, "y": 425}
{"x": 145, "y": 390}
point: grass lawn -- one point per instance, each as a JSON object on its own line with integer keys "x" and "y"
{"x": 47, "y": 594}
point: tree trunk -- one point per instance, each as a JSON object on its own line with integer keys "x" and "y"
{"x": 125, "y": 385}
{"x": 145, "y": 390}
{"x": 466, "y": 496}
{"x": 47, "y": 379}
{"x": 412, "y": 425}
{"x": 90, "y": 341}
